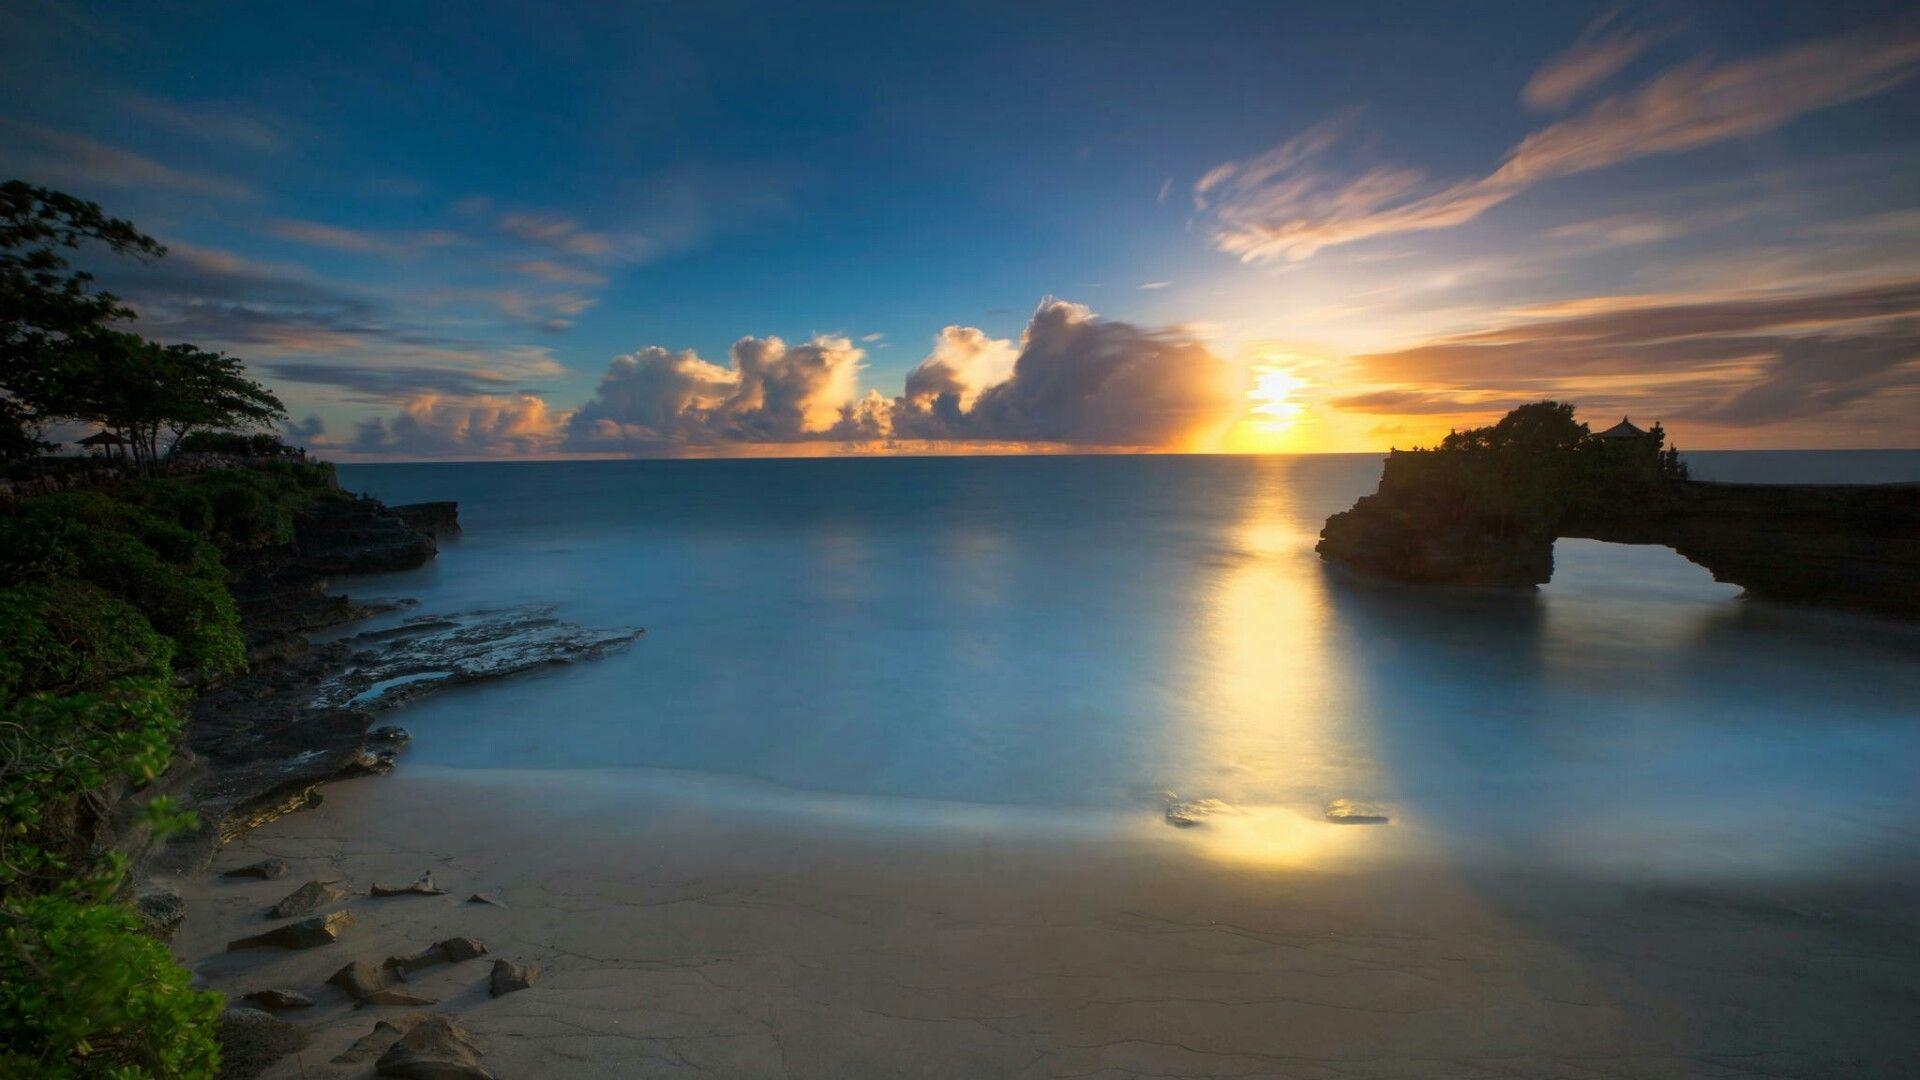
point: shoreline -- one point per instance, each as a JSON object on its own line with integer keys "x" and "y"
{"x": 684, "y": 940}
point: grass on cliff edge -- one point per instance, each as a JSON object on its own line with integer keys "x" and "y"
{"x": 113, "y": 603}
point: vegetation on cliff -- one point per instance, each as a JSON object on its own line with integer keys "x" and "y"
{"x": 114, "y": 606}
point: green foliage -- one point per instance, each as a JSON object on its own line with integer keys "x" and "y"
{"x": 63, "y": 633}
{"x": 83, "y": 993}
{"x": 262, "y": 444}
{"x": 169, "y": 575}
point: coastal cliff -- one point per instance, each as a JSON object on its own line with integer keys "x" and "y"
{"x": 1488, "y": 515}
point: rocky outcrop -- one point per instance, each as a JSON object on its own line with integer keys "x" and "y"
{"x": 305, "y": 934}
{"x": 358, "y": 536}
{"x": 432, "y": 518}
{"x": 252, "y": 1040}
{"x": 1475, "y": 522}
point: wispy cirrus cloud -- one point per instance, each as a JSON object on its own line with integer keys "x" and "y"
{"x": 1744, "y": 359}
{"x": 66, "y": 159}
{"x": 211, "y": 122}
{"x": 1606, "y": 47}
{"x": 1289, "y": 203}
{"x": 305, "y": 329}
{"x": 365, "y": 241}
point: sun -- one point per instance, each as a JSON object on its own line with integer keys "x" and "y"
{"x": 1270, "y": 400}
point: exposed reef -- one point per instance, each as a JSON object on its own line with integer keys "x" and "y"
{"x": 259, "y": 746}
{"x": 1490, "y": 518}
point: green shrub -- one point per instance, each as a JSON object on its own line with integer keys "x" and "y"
{"x": 66, "y": 634}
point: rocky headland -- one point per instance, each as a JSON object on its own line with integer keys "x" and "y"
{"x": 1489, "y": 517}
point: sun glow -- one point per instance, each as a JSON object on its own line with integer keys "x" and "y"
{"x": 1275, "y": 415}
{"x": 1270, "y": 401}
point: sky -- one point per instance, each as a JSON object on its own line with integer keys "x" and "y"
{"x": 498, "y": 230}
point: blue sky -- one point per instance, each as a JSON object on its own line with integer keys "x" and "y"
{"x": 409, "y": 216}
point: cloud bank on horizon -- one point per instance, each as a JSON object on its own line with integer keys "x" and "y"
{"x": 1073, "y": 379}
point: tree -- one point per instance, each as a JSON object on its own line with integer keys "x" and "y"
{"x": 1536, "y": 428}
{"x": 139, "y": 389}
{"x": 46, "y": 307}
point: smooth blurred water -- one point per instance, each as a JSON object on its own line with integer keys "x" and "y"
{"x": 1083, "y": 632}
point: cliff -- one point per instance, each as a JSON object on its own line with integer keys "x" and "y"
{"x": 1490, "y": 518}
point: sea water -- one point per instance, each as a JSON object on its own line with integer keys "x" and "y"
{"x": 1069, "y": 636}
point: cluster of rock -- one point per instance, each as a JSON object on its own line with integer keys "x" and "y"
{"x": 418, "y": 1045}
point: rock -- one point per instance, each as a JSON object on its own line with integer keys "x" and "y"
{"x": 486, "y": 898}
{"x": 251, "y": 1041}
{"x": 445, "y": 951}
{"x": 160, "y": 909}
{"x": 357, "y": 536}
{"x": 508, "y": 977}
{"x": 306, "y": 900}
{"x": 305, "y": 934}
{"x": 279, "y": 999}
{"x": 435, "y": 1049}
{"x": 361, "y": 980}
{"x": 399, "y": 663}
{"x": 396, "y": 996}
{"x": 379, "y": 1040}
{"x": 265, "y": 870}
{"x": 421, "y": 886}
{"x": 1351, "y": 812}
{"x": 389, "y": 733}
{"x": 370, "y": 763}
{"x": 1186, "y": 815}
{"x": 433, "y": 518}
{"x": 1449, "y": 517}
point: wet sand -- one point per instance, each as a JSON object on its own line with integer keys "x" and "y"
{"x": 692, "y": 927}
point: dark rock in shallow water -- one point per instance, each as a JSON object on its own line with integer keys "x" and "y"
{"x": 508, "y": 977}
{"x": 445, "y": 951}
{"x": 305, "y": 934}
{"x": 265, "y": 870}
{"x": 420, "y": 886}
{"x": 1491, "y": 519}
{"x": 251, "y": 1041}
{"x": 436, "y": 1048}
{"x": 160, "y": 909}
{"x": 279, "y": 999}
{"x": 1352, "y": 812}
{"x": 397, "y": 664}
{"x": 432, "y": 518}
{"x": 361, "y": 979}
{"x": 389, "y": 733}
{"x": 306, "y": 900}
{"x": 357, "y": 536}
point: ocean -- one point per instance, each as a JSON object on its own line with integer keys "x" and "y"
{"x": 1035, "y": 640}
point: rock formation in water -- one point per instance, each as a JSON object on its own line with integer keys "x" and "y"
{"x": 1488, "y": 515}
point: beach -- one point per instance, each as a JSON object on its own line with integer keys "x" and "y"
{"x": 684, "y": 930}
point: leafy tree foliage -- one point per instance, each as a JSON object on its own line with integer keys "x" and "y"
{"x": 61, "y": 359}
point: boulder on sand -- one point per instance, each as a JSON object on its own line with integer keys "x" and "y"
{"x": 265, "y": 870}
{"x": 306, "y": 900}
{"x": 420, "y": 886}
{"x": 361, "y": 980}
{"x": 251, "y": 1041}
{"x": 379, "y": 1040}
{"x": 279, "y": 999}
{"x": 509, "y": 977}
{"x": 445, "y": 951}
{"x": 305, "y": 934}
{"x": 436, "y": 1048}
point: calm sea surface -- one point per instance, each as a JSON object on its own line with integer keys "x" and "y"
{"x": 1070, "y": 637}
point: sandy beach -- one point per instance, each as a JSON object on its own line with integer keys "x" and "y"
{"x": 688, "y": 926}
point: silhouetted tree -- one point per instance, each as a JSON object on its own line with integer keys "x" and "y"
{"x": 46, "y": 307}
{"x": 1539, "y": 427}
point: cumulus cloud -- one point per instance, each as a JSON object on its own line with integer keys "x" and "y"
{"x": 1072, "y": 379}
{"x": 1290, "y": 204}
{"x": 770, "y": 392}
{"x": 432, "y": 425}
